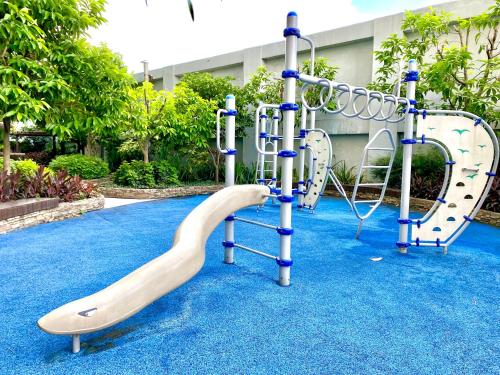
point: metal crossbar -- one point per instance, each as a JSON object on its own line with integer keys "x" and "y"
{"x": 250, "y": 250}
{"x": 253, "y": 222}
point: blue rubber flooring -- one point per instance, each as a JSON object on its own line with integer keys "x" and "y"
{"x": 344, "y": 314}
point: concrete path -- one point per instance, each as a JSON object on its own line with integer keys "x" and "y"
{"x": 116, "y": 202}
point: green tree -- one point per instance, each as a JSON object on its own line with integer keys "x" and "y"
{"x": 458, "y": 60}
{"x": 216, "y": 89}
{"x": 181, "y": 118}
{"x": 265, "y": 86}
{"x": 98, "y": 95}
{"x": 34, "y": 37}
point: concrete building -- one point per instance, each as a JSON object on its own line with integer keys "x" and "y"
{"x": 350, "y": 48}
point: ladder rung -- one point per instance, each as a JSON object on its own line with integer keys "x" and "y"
{"x": 372, "y": 184}
{"x": 249, "y": 249}
{"x": 248, "y": 221}
{"x": 372, "y": 201}
{"x": 376, "y": 166}
{"x": 380, "y": 149}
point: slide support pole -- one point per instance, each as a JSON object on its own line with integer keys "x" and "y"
{"x": 288, "y": 108}
{"x": 230, "y": 160}
{"x": 411, "y": 79}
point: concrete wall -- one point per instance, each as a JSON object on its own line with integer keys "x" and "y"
{"x": 350, "y": 48}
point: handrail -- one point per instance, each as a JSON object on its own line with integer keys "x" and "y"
{"x": 257, "y": 132}
{"x": 222, "y": 151}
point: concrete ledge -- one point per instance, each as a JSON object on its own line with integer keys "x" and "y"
{"x": 26, "y": 206}
{"x": 417, "y": 204}
{"x": 181, "y": 191}
{"x": 61, "y": 212}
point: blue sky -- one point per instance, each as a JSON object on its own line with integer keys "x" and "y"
{"x": 164, "y": 34}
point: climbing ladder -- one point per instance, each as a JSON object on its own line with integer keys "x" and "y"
{"x": 363, "y": 208}
{"x": 318, "y": 142}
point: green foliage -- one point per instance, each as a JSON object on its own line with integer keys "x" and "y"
{"x": 458, "y": 60}
{"x": 181, "y": 117}
{"x": 136, "y": 174}
{"x": 27, "y": 168}
{"x": 216, "y": 89}
{"x": 344, "y": 174}
{"x": 266, "y": 87}
{"x": 321, "y": 69}
{"x": 244, "y": 174}
{"x": 428, "y": 164}
{"x": 87, "y": 167}
{"x": 98, "y": 82}
{"x": 165, "y": 174}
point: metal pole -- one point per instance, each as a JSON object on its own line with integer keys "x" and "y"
{"x": 288, "y": 108}
{"x": 312, "y": 125}
{"x": 262, "y": 160}
{"x": 302, "y": 155}
{"x": 275, "y": 146}
{"x": 230, "y": 161}
{"x": 411, "y": 79}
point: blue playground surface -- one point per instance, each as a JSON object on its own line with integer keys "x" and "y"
{"x": 344, "y": 314}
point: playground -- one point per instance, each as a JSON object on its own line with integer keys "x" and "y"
{"x": 271, "y": 275}
{"x": 344, "y": 313}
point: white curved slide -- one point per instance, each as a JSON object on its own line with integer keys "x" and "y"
{"x": 158, "y": 277}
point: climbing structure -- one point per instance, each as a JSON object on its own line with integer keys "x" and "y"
{"x": 473, "y": 157}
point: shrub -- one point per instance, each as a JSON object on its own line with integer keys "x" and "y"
{"x": 26, "y": 168}
{"x": 135, "y": 174}
{"x": 87, "y": 167}
{"x": 427, "y": 172}
{"x": 244, "y": 174}
{"x": 344, "y": 174}
{"x": 39, "y": 157}
{"x": 165, "y": 173}
{"x": 43, "y": 184}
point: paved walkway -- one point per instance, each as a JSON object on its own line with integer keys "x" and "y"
{"x": 116, "y": 202}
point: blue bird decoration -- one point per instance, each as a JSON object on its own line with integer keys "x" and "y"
{"x": 461, "y": 131}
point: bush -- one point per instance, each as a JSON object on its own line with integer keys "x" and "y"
{"x": 165, "y": 174}
{"x": 26, "y": 168}
{"x": 426, "y": 176}
{"x": 43, "y": 184}
{"x": 87, "y": 167}
{"x": 39, "y": 157}
{"x": 135, "y": 174}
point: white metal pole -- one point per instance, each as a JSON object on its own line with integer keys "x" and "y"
{"x": 75, "y": 347}
{"x": 263, "y": 135}
{"x": 312, "y": 125}
{"x": 302, "y": 156}
{"x": 230, "y": 161}
{"x": 288, "y": 108}
{"x": 411, "y": 78}
{"x": 275, "y": 134}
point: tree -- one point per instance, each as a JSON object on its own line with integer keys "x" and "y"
{"x": 182, "y": 117}
{"x": 458, "y": 60}
{"x": 98, "y": 94}
{"x": 35, "y": 36}
{"x": 266, "y": 87}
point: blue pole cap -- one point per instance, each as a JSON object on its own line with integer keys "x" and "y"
{"x": 292, "y": 14}
{"x": 230, "y": 96}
